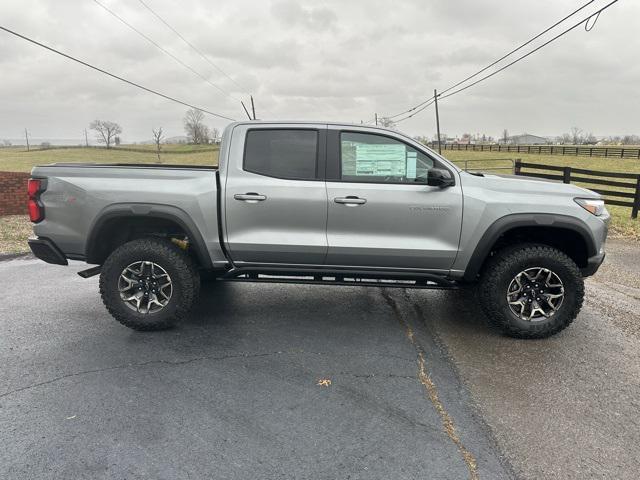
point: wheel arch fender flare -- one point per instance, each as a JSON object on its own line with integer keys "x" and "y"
{"x": 147, "y": 210}
{"x": 509, "y": 222}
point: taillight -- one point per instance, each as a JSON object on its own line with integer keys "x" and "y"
{"x": 36, "y": 210}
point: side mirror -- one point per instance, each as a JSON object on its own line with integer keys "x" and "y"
{"x": 438, "y": 177}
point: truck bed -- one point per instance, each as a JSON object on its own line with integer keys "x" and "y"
{"x": 131, "y": 165}
{"x": 79, "y": 196}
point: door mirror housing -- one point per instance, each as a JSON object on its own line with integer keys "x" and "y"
{"x": 439, "y": 177}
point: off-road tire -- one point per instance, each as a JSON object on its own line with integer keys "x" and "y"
{"x": 176, "y": 262}
{"x": 500, "y": 270}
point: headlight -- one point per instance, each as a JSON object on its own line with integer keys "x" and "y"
{"x": 591, "y": 205}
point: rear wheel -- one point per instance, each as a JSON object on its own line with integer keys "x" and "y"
{"x": 531, "y": 291}
{"x": 149, "y": 284}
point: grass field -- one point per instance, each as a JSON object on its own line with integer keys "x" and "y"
{"x": 15, "y": 229}
{"x": 622, "y": 224}
{"x": 19, "y": 160}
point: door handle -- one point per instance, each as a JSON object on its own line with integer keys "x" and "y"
{"x": 350, "y": 201}
{"x": 250, "y": 197}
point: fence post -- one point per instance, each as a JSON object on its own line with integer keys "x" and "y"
{"x": 566, "y": 175}
{"x": 517, "y": 168}
{"x": 636, "y": 200}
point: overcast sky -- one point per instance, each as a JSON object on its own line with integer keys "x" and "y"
{"x": 320, "y": 59}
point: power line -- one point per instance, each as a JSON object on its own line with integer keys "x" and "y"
{"x": 597, "y": 13}
{"x": 519, "y": 47}
{"x": 430, "y": 102}
{"x": 163, "y": 50}
{"x": 411, "y": 109}
{"x": 192, "y": 46}
{"x": 531, "y": 52}
{"x": 113, "y": 75}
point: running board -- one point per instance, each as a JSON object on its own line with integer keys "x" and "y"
{"x": 90, "y": 272}
{"x": 363, "y": 278}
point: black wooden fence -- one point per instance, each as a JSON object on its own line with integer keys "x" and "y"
{"x": 580, "y": 150}
{"x": 624, "y": 198}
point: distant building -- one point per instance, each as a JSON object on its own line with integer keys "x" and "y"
{"x": 526, "y": 139}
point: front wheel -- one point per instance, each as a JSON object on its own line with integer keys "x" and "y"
{"x": 531, "y": 291}
{"x": 149, "y": 284}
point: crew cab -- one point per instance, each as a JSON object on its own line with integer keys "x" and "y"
{"x": 322, "y": 203}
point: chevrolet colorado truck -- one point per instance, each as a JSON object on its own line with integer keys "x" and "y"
{"x": 321, "y": 203}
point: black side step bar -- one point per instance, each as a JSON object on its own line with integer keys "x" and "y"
{"x": 90, "y": 272}
{"x": 362, "y": 278}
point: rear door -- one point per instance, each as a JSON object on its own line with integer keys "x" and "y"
{"x": 275, "y": 195}
{"x": 381, "y": 212}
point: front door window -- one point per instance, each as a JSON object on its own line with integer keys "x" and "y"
{"x": 374, "y": 158}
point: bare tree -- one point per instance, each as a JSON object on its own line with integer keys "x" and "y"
{"x": 576, "y": 135}
{"x": 86, "y": 138}
{"x": 386, "y": 122}
{"x": 106, "y": 132}
{"x": 215, "y": 134}
{"x": 564, "y": 139}
{"x": 194, "y": 127}
{"x": 26, "y": 137}
{"x": 505, "y": 136}
{"x": 157, "y": 138}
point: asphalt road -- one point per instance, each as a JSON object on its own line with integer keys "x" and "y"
{"x": 419, "y": 387}
{"x": 234, "y": 392}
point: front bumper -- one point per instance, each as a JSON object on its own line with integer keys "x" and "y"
{"x": 593, "y": 264}
{"x": 46, "y": 250}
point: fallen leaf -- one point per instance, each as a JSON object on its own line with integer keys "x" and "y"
{"x": 324, "y": 382}
{"x": 71, "y": 417}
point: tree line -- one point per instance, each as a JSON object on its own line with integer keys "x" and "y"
{"x": 109, "y": 133}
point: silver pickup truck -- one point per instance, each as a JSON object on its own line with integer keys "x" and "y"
{"x": 320, "y": 203}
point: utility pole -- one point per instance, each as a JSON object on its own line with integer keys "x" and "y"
{"x": 435, "y": 96}
{"x": 253, "y": 108}
{"x": 86, "y": 138}
{"x": 376, "y": 119}
{"x": 26, "y": 136}
{"x": 245, "y": 110}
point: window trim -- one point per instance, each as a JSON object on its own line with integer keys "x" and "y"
{"x": 338, "y": 138}
{"x": 321, "y": 138}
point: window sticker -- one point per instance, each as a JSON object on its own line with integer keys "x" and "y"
{"x": 412, "y": 164}
{"x": 381, "y": 160}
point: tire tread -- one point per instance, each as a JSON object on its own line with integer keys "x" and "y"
{"x": 497, "y": 267}
{"x": 187, "y": 275}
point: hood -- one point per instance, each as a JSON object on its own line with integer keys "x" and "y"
{"x": 524, "y": 184}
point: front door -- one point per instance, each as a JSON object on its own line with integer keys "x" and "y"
{"x": 381, "y": 212}
{"x": 275, "y": 196}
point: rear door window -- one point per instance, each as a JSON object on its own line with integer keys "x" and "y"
{"x": 282, "y": 153}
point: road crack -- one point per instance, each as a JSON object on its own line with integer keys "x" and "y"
{"x": 141, "y": 364}
{"x": 432, "y": 392}
{"x": 187, "y": 361}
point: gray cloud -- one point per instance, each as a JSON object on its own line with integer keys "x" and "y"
{"x": 291, "y": 13}
{"x": 326, "y": 59}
